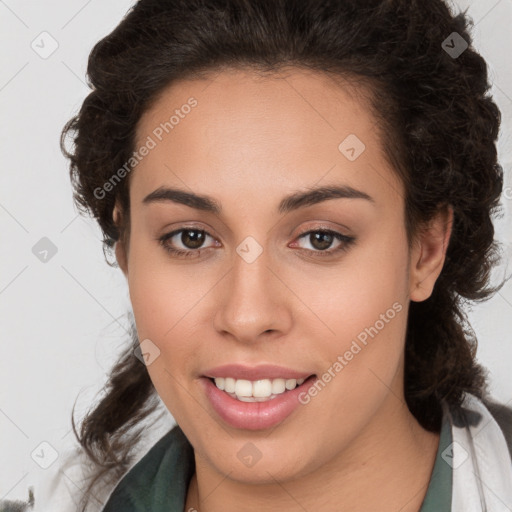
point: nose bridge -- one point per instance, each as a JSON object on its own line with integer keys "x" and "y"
{"x": 251, "y": 303}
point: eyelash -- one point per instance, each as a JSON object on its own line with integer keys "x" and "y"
{"x": 347, "y": 241}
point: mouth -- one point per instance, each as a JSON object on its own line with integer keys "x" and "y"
{"x": 242, "y": 410}
{"x": 261, "y": 390}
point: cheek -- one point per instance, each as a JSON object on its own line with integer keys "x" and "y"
{"x": 164, "y": 305}
{"x": 365, "y": 309}
{"x": 366, "y": 284}
{"x": 162, "y": 292}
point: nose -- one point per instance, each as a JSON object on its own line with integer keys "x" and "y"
{"x": 253, "y": 301}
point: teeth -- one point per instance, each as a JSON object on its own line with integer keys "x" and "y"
{"x": 258, "y": 390}
{"x": 229, "y": 385}
{"x": 278, "y": 386}
{"x": 290, "y": 384}
{"x": 244, "y": 388}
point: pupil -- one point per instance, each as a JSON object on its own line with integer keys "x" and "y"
{"x": 195, "y": 241}
{"x": 325, "y": 240}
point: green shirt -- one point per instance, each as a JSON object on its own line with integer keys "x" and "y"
{"x": 159, "y": 481}
{"x": 439, "y": 492}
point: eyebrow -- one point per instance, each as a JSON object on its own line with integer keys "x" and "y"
{"x": 289, "y": 203}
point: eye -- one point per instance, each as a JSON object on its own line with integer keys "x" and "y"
{"x": 322, "y": 239}
{"x": 191, "y": 238}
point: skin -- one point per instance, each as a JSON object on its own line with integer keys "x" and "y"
{"x": 249, "y": 142}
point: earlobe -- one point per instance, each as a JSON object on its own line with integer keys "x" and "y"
{"x": 429, "y": 253}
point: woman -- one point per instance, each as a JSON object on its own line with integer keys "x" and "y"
{"x": 300, "y": 195}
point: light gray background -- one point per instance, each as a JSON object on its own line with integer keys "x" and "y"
{"x": 64, "y": 321}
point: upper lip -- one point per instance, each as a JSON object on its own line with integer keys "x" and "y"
{"x": 262, "y": 371}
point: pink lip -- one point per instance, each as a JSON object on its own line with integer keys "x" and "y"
{"x": 263, "y": 371}
{"x": 254, "y": 415}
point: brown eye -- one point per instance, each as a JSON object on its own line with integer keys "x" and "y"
{"x": 322, "y": 239}
{"x": 190, "y": 239}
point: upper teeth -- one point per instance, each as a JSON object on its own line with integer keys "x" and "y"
{"x": 263, "y": 388}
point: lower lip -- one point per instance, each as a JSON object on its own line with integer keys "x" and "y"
{"x": 254, "y": 415}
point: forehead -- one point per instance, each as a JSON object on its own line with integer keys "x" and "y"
{"x": 296, "y": 101}
{"x": 248, "y": 132}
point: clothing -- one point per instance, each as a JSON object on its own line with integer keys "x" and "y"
{"x": 439, "y": 491}
{"x": 481, "y": 460}
{"x": 474, "y": 450}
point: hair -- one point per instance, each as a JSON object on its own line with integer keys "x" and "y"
{"x": 437, "y": 123}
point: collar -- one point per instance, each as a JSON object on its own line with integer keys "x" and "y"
{"x": 482, "y": 467}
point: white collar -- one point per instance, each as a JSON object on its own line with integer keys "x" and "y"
{"x": 481, "y": 462}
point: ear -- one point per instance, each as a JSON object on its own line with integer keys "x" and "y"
{"x": 429, "y": 253}
{"x": 119, "y": 248}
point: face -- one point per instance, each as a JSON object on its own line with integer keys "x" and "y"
{"x": 319, "y": 287}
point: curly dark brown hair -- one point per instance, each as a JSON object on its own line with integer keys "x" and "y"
{"x": 436, "y": 120}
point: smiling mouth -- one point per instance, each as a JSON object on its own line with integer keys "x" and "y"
{"x": 261, "y": 390}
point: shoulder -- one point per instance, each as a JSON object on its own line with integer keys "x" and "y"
{"x": 502, "y": 414}
{"x": 479, "y": 414}
{"x": 54, "y": 488}
{"x": 60, "y": 488}
{"x": 161, "y": 476}
{"x": 18, "y": 506}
